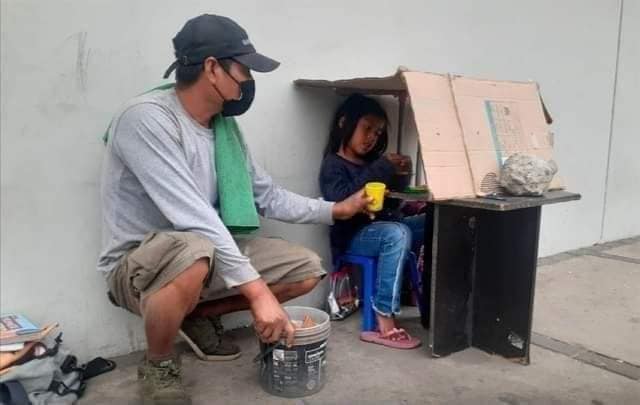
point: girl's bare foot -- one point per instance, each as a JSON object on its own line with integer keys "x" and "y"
{"x": 389, "y": 335}
{"x": 385, "y": 324}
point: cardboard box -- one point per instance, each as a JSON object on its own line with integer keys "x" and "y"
{"x": 466, "y": 127}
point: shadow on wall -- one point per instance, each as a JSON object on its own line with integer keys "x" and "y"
{"x": 317, "y": 106}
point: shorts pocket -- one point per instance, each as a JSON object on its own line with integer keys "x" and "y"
{"x": 150, "y": 258}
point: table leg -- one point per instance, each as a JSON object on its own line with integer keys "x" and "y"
{"x": 451, "y": 272}
{"x": 504, "y": 282}
{"x": 427, "y": 260}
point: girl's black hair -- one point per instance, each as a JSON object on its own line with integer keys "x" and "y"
{"x": 350, "y": 111}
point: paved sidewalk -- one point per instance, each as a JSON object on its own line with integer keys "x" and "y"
{"x": 586, "y": 324}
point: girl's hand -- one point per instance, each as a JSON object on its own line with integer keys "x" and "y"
{"x": 402, "y": 163}
{"x": 395, "y": 159}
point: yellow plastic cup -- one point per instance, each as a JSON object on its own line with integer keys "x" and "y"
{"x": 376, "y": 191}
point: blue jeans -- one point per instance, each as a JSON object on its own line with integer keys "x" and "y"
{"x": 389, "y": 242}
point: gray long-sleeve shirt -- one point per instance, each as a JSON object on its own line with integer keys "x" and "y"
{"x": 158, "y": 175}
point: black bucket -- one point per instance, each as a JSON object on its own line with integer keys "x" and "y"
{"x": 300, "y": 370}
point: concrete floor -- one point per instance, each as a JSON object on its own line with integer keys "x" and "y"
{"x": 586, "y": 299}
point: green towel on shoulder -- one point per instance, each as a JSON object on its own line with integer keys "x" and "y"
{"x": 235, "y": 192}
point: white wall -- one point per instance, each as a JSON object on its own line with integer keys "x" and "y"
{"x": 622, "y": 209}
{"x": 67, "y": 65}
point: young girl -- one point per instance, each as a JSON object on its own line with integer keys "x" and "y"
{"x": 353, "y": 157}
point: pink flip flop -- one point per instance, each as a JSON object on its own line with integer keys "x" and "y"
{"x": 396, "y": 338}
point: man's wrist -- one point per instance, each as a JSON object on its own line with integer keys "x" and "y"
{"x": 254, "y": 289}
{"x": 337, "y": 211}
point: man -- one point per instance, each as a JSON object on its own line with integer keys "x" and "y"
{"x": 168, "y": 254}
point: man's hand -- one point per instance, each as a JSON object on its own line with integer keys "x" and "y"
{"x": 271, "y": 322}
{"x": 352, "y": 205}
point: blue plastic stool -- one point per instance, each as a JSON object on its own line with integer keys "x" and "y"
{"x": 368, "y": 266}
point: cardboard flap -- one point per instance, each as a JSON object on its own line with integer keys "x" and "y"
{"x": 498, "y": 119}
{"x": 439, "y": 135}
{"x": 389, "y": 85}
{"x": 547, "y": 114}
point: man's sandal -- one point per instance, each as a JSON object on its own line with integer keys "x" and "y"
{"x": 205, "y": 336}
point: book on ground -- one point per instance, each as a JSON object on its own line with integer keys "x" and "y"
{"x": 8, "y": 358}
{"x": 13, "y": 347}
{"x": 17, "y": 329}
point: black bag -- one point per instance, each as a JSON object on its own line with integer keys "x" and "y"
{"x": 49, "y": 373}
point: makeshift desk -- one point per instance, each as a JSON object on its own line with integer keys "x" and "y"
{"x": 483, "y": 270}
{"x": 483, "y": 255}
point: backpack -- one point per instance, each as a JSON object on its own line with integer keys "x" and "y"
{"x": 48, "y": 374}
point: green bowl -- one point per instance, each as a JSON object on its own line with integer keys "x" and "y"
{"x": 416, "y": 190}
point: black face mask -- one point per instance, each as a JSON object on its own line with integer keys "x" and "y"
{"x": 232, "y": 108}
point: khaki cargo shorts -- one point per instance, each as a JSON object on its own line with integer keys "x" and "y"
{"x": 162, "y": 256}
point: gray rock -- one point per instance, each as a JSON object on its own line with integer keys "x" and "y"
{"x": 527, "y": 175}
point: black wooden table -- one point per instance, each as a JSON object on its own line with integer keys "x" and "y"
{"x": 481, "y": 283}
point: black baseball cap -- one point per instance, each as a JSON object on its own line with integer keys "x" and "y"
{"x": 221, "y": 37}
